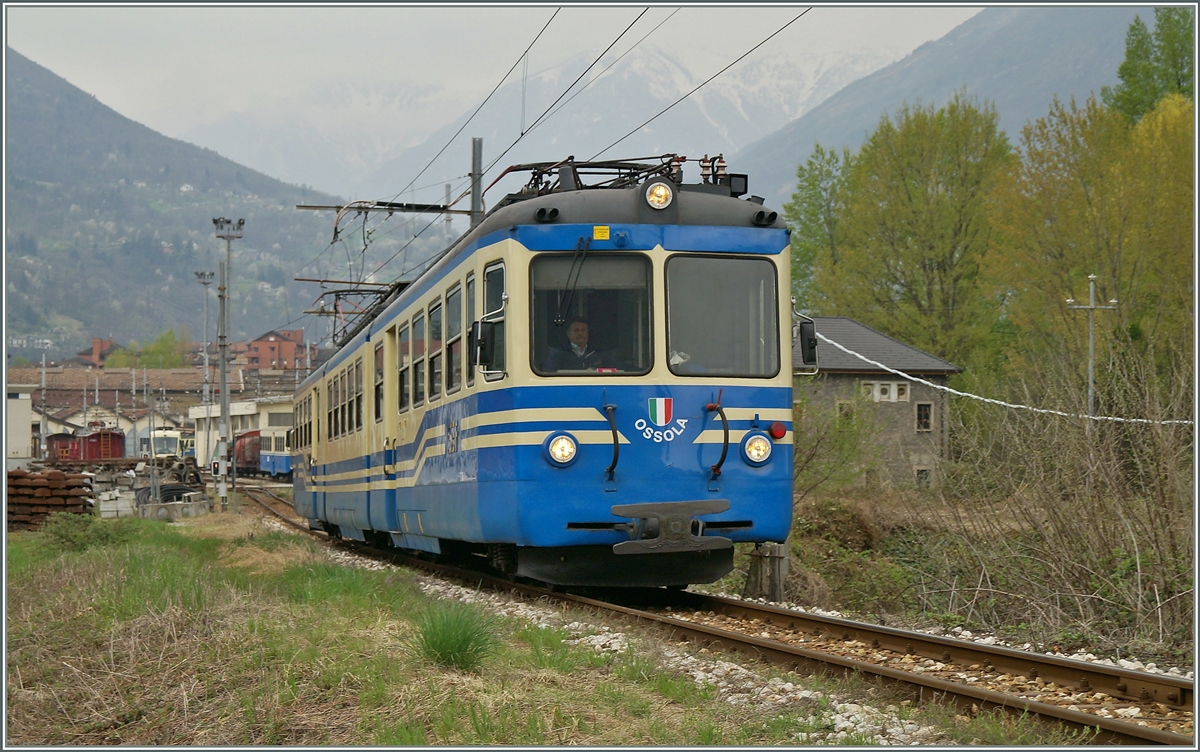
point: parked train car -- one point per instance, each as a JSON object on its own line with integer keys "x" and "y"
{"x": 176, "y": 442}
{"x": 101, "y": 444}
{"x": 274, "y": 456}
{"x": 62, "y": 446}
{"x": 246, "y": 450}
{"x": 460, "y": 420}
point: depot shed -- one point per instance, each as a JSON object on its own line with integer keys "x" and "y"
{"x": 910, "y": 434}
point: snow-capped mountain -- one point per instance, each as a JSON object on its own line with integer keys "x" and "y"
{"x": 359, "y": 138}
{"x": 750, "y": 100}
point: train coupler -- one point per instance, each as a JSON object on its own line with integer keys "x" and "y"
{"x": 669, "y": 526}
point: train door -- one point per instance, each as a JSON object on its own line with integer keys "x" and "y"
{"x": 383, "y": 505}
{"x": 311, "y": 477}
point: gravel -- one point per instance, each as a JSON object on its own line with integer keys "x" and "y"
{"x": 829, "y": 720}
{"x": 989, "y": 639}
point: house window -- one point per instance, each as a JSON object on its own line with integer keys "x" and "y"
{"x": 845, "y": 409}
{"x": 886, "y": 391}
{"x": 924, "y": 416}
{"x": 923, "y": 475}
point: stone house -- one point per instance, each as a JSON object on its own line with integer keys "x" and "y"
{"x": 910, "y": 430}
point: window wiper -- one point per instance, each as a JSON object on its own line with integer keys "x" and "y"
{"x": 567, "y": 295}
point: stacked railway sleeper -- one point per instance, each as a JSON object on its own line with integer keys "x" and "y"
{"x": 32, "y": 497}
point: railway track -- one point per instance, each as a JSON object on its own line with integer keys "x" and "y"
{"x": 1116, "y": 705}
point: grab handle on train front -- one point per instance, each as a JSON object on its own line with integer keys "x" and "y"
{"x": 610, "y": 473}
{"x": 716, "y": 407}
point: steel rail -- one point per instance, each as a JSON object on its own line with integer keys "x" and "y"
{"x": 1103, "y": 730}
{"x": 1127, "y": 684}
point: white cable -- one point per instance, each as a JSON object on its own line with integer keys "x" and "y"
{"x": 992, "y": 401}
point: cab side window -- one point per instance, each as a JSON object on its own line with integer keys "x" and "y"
{"x": 493, "y": 310}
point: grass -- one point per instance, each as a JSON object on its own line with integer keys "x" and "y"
{"x": 219, "y": 632}
{"x": 454, "y": 635}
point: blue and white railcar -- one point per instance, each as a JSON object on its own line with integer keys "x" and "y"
{"x": 640, "y": 468}
{"x": 274, "y": 455}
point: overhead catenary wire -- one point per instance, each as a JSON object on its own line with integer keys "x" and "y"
{"x": 608, "y": 67}
{"x": 550, "y": 111}
{"x": 481, "y": 105}
{"x": 547, "y": 113}
{"x": 707, "y": 81}
{"x": 1002, "y": 403}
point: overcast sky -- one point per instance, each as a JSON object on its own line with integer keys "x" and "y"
{"x": 173, "y": 68}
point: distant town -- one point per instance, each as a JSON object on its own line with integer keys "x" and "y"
{"x": 86, "y": 393}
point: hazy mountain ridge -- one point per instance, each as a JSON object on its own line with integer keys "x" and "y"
{"x": 107, "y": 220}
{"x": 1020, "y": 59}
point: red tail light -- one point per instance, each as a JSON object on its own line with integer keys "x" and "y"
{"x": 777, "y": 430}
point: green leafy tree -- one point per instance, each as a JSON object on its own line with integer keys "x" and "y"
{"x": 1156, "y": 63}
{"x": 126, "y": 357}
{"x": 1094, "y": 194}
{"x": 916, "y": 226}
{"x": 814, "y": 215}
{"x": 164, "y": 352}
{"x": 167, "y": 351}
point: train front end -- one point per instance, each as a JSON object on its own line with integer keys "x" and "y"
{"x": 639, "y": 454}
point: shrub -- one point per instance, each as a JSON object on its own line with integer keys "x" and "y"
{"x": 79, "y": 532}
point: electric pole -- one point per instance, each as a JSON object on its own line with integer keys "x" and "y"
{"x": 227, "y": 230}
{"x": 205, "y": 279}
{"x": 1091, "y": 309}
{"x": 476, "y": 181}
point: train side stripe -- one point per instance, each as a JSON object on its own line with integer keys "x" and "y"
{"x": 717, "y": 436}
{"x": 532, "y": 415}
{"x": 533, "y": 438}
{"x": 768, "y": 414}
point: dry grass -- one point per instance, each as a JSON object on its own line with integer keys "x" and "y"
{"x": 204, "y": 634}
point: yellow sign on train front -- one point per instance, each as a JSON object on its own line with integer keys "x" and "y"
{"x": 600, "y": 232}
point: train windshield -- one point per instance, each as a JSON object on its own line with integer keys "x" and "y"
{"x": 166, "y": 445}
{"x": 590, "y": 314}
{"x": 722, "y": 316}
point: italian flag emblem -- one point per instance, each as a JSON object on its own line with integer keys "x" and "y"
{"x": 660, "y": 410}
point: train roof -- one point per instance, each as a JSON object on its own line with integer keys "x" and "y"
{"x": 610, "y": 193}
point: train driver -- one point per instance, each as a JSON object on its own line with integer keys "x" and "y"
{"x": 578, "y": 356}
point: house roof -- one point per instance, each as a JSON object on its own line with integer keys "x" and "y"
{"x": 287, "y": 335}
{"x": 174, "y": 380}
{"x": 875, "y": 345}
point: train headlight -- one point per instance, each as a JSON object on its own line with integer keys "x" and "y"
{"x": 659, "y": 195}
{"x": 756, "y": 449}
{"x": 561, "y": 449}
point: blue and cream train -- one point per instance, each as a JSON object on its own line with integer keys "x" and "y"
{"x": 440, "y": 426}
